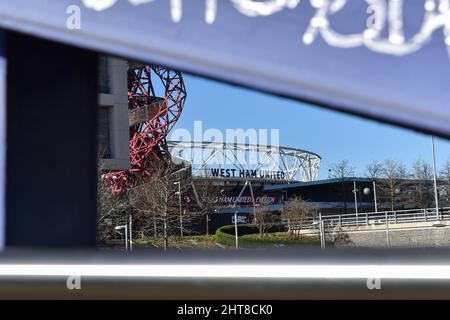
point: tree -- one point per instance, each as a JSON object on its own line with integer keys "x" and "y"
{"x": 110, "y": 209}
{"x": 374, "y": 170}
{"x": 206, "y": 194}
{"x": 393, "y": 182}
{"x": 265, "y": 220}
{"x": 147, "y": 201}
{"x": 342, "y": 171}
{"x": 422, "y": 195}
{"x": 159, "y": 197}
{"x": 296, "y": 210}
{"x": 341, "y": 238}
{"x": 445, "y": 177}
{"x": 153, "y": 205}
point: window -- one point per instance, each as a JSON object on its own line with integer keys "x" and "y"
{"x": 103, "y": 133}
{"x": 103, "y": 78}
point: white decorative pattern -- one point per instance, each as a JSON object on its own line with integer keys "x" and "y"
{"x": 382, "y": 14}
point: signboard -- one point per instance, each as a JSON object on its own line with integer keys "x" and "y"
{"x": 247, "y": 200}
{"x": 229, "y": 200}
{"x": 383, "y": 59}
{"x": 246, "y": 174}
{"x": 240, "y": 219}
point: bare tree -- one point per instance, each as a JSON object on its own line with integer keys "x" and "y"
{"x": 296, "y": 210}
{"x": 206, "y": 194}
{"x": 445, "y": 177}
{"x": 374, "y": 170}
{"x": 422, "y": 174}
{"x": 342, "y": 171}
{"x": 153, "y": 204}
{"x": 393, "y": 182}
{"x": 160, "y": 195}
{"x": 146, "y": 200}
{"x": 109, "y": 208}
{"x": 265, "y": 221}
{"x": 341, "y": 238}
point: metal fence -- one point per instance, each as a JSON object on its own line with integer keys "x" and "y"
{"x": 375, "y": 218}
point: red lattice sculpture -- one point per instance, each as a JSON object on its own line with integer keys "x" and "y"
{"x": 152, "y": 115}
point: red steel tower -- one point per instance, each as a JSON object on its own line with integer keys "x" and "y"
{"x": 156, "y": 97}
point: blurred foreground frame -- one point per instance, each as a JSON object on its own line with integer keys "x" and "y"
{"x": 183, "y": 286}
{"x": 49, "y": 97}
{"x": 51, "y": 144}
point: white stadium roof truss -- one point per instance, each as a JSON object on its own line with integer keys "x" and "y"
{"x": 295, "y": 164}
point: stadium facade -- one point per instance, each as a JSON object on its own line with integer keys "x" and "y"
{"x": 237, "y": 176}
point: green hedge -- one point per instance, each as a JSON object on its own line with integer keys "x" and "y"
{"x": 225, "y": 236}
{"x": 244, "y": 229}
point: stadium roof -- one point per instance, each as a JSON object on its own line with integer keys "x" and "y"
{"x": 313, "y": 183}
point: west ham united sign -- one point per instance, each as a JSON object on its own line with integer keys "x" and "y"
{"x": 384, "y": 59}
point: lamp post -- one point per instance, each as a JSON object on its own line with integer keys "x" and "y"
{"x": 436, "y": 196}
{"x": 321, "y": 232}
{"x": 131, "y": 236}
{"x": 126, "y": 234}
{"x": 253, "y": 202}
{"x": 355, "y": 192}
{"x": 367, "y": 191}
{"x": 375, "y": 195}
{"x": 388, "y": 241}
{"x": 235, "y": 214}
{"x": 236, "y": 230}
{"x": 179, "y": 200}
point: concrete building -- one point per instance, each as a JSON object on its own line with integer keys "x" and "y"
{"x": 113, "y": 126}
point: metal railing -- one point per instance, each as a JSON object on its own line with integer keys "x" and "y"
{"x": 375, "y": 218}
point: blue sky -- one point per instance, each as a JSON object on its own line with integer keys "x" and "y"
{"x": 334, "y": 136}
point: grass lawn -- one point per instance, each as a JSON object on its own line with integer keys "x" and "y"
{"x": 250, "y": 240}
{"x": 200, "y": 241}
{"x": 280, "y": 238}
